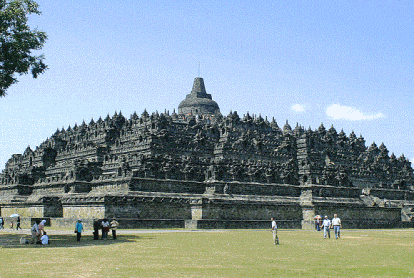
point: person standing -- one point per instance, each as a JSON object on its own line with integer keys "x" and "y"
{"x": 78, "y": 230}
{"x": 114, "y": 225}
{"x": 96, "y": 226}
{"x": 1, "y": 223}
{"x": 317, "y": 223}
{"x": 105, "y": 228}
{"x": 326, "y": 224}
{"x": 35, "y": 232}
{"x": 18, "y": 223}
{"x": 337, "y": 225}
{"x": 274, "y": 231}
{"x": 42, "y": 227}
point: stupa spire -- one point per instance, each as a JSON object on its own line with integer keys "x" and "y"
{"x": 198, "y": 102}
{"x": 199, "y": 89}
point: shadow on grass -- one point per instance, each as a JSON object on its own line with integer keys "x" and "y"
{"x": 13, "y": 241}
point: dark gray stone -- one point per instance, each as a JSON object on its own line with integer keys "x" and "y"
{"x": 201, "y": 165}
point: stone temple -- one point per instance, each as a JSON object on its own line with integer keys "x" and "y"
{"x": 200, "y": 169}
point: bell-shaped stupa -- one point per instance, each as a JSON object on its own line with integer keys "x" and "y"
{"x": 198, "y": 102}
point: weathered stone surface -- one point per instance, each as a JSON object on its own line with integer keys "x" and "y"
{"x": 200, "y": 165}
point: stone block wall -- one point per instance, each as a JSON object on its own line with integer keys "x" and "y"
{"x": 105, "y": 187}
{"x": 142, "y": 208}
{"x": 167, "y": 186}
{"x": 23, "y": 211}
{"x": 362, "y": 217}
{"x": 246, "y": 224}
{"x": 48, "y": 188}
{"x": 84, "y": 211}
{"x": 357, "y": 213}
{"x": 52, "y": 207}
{"x": 332, "y": 191}
{"x": 392, "y": 194}
{"x": 70, "y": 223}
{"x": 251, "y": 211}
{"x": 151, "y": 223}
{"x": 239, "y": 188}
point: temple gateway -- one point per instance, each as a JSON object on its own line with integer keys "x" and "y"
{"x": 200, "y": 169}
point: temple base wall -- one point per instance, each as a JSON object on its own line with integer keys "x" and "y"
{"x": 84, "y": 211}
{"x": 253, "y": 211}
{"x": 151, "y": 203}
{"x": 148, "y": 211}
{"x": 23, "y": 211}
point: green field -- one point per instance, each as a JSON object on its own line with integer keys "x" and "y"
{"x": 222, "y": 253}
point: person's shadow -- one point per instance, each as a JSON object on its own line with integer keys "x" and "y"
{"x": 13, "y": 240}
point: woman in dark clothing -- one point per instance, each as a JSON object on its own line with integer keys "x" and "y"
{"x": 18, "y": 223}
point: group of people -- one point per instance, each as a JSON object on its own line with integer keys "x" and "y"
{"x": 327, "y": 225}
{"x": 39, "y": 235}
{"x": 104, "y": 225}
{"x": 2, "y": 223}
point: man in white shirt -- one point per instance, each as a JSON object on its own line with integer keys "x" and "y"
{"x": 326, "y": 227}
{"x": 336, "y": 223}
{"x": 105, "y": 228}
{"x": 274, "y": 231}
{"x": 45, "y": 238}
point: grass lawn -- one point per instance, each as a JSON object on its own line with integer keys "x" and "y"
{"x": 222, "y": 253}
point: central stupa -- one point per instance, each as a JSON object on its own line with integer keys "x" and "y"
{"x": 198, "y": 102}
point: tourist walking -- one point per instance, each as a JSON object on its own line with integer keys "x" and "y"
{"x": 337, "y": 225}
{"x": 105, "y": 228}
{"x": 114, "y": 225}
{"x": 78, "y": 230}
{"x": 274, "y": 231}
{"x": 18, "y": 223}
{"x": 326, "y": 224}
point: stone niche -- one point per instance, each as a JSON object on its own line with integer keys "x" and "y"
{"x": 52, "y": 207}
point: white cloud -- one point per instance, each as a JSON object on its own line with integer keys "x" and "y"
{"x": 298, "y": 108}
{"x": 338, "y": 112}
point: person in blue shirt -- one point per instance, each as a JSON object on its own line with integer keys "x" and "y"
{"x": 78, "y": 230}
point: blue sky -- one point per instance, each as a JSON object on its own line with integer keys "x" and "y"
{"x": 349, "y": 64}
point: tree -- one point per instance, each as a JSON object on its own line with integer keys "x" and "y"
{"x": 17, "y": 41}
